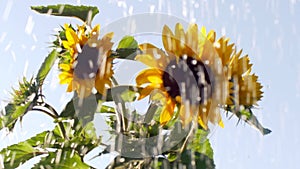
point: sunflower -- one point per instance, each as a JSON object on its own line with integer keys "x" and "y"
{"x": 244, "y": 88}
{"x": 86, "y": 64}
{"x": 189, "y": 74}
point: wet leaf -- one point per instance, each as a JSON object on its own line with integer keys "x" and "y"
{"x": 127, "y": 48}
{"x": 46, "y": 67}
{"x": 61, "y": 159}
{"x": 84, "y": 13}
{"x": 124, "y": 92}
{"x": 69, "y": 110}
{"x": 202, "y": 161}
{"x": 13, "y": 113}
{"x": 17, "y": 154}
{"x": 152, "y": 110}
{"x": 128, "y": 42}
{"x": 201, "y": 144}
{"x": 126, "y": 53}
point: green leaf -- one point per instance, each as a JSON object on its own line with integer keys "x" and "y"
{"x": 126, "y": 53}
{"x": 127, "y": 49}
{"x": 70, "y": 151}
{"x": 13, "y": 113}
{"x": 105, "y": 109}
{"x": 17, "y": 154}
{"x": 46, "y": 67}
{"x": 152, "y": 110}
{"x": 69, "y": 110}
{"x": 61, "y": 159}
{"x": 201, "y": 144}
{"x": 128, "y": 95}
{"x": 39, "y": 140}
{"x": 82, "y": 139}
{"x": 201, "y": 160}
{"x": 128, "y": 42}
{"x": 124, "y": 92}
{"x": 198, "y": 150}
{"x": 84, "y": 13}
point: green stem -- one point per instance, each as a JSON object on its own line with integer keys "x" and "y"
{"x": 114, "y": 80}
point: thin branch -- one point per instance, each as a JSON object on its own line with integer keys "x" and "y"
{"x": 51, "y": 109}
{"x": 44, "y": 111}
{"x": 187, "y": 138}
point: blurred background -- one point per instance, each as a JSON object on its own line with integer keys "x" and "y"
{"x": 268, "y": 31}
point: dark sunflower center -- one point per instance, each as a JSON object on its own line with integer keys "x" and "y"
{"x": 87, "y": 62}
{"x": 190, "y": 79}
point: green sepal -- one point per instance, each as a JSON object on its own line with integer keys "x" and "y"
{"x": 245, "y": 113}
{"x": 23, "y": 100}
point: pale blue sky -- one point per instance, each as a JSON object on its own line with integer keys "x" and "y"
{"x": 268, "y": 31}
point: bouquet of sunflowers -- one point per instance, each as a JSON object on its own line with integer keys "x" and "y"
{"x": 188, "y": 83}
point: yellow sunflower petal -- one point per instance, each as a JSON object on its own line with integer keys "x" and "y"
{"x": 67, "y": 44}
{"x": 81, "y": 34}
{"x": 96, "y": 29}
{"x": 211, "y": 36}
{"x": 146, "y": 46}
{"x": 151, "y": 75}
{"x": 180, "y": 37}
{"x": 64, "y": 67}
{"x": 244, "y": 64}
{"x": 144, "y": 92}
{"x": 148, "y": 60}
{"x": 156, "y": 57}
{"x": 224, "y": 50}
{"x": 65, "y": 77}
{"x": 221, "y": 124}
{"x": 70, "y": 89}
{"x": 103, "y": 77}
{"x": 165, "y": 116}
{"x": 186, "y": 114}
{"x": 209, "y": 113}
{"x": 203, "y": 31}
{"x": 71, "y": 36}
{"x": 168, "y": 40}
{"x": 83, "y": 87}
{"x": 192, "y": 40}
{"x": 167, "y": 112}
{"x": 250, "y": 90}
{"x": 202, "y": 124}
{"x": 100, "y": 85}
{"x": 108, "y": 36}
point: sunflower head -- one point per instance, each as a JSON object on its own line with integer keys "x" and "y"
{"x": 244, "y": 88}
{"x": 86, "y": 63}
{"x": 189, "y": 75}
